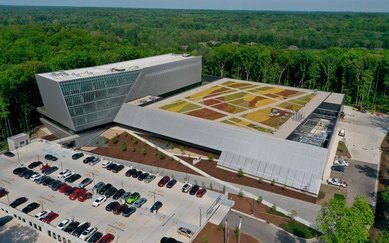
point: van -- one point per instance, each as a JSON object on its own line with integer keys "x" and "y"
{"x": 342, "y": 132}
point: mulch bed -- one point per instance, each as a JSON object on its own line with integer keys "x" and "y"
{"x": 151, "y": 158}
{"x": 213, "y": 235}
{"x": 211, "y": 169}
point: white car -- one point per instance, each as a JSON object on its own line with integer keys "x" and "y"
{"x": 88, "y": 232}
{"x": 63, "y": 224}
{"x": 67, "y": 175}
{"x": 185, "y": 232}
{"x": 63, "y": 173}
{"x": 42, "y": 214}
{"x": 98, "y": 201}
{"x": 341, "y": 162}
{"x": 187, "y": 187}
{"x": 36, "y": 177}
{"x": 336, "y": 182}
{"x": 106, "y": 164}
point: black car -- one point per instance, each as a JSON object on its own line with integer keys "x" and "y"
{"x": 338, "y": 168}
{"x": 35, "y": 164}
{"x": 88, "y": 159}
{"x": 48, "y": 181}
{"x": 19, "y": 170}
{"x": 73, "y": 178}
{"x": 18, "y": 202}
{"x": 110, "y": 192}
{"x": 54, "y": 183}
{"x": 111, "y": 166}
{"x": 51, "y": 157}
{"x": 9, "y": 154}
{"x": 118, "y": 168}
{"x": 30, "y": 207}
{"x": 118, "y": 194}
{"x": 95, "y": 237}
{"x": 51, "y": 170}
{"x": 157, "y": 205}
{"x": 29, "y": 174}
{"x": 171, "y": 183}
{"x": 25, "y": 172}
{"x": 70, "y": 191}
{"x": 137, "y": 174}
{"x": 5, "y": 219}
{"x": 76, "y": 156}
{"x": 143, "y": 176}
{"x": 169, "y": 240}
{"x": 77, "y": 232}
{"x": 57, "y": 186}
{"x": 104, "y": 189}
{"x": 130, "y": 172}
{"x": 111, "y": 206}
{"x": 42, "y": 179}
{"x": 71, "y": 227}
{"x": 194, "y": 189}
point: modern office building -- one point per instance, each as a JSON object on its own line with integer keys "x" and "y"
{"x": 272, "y": 132}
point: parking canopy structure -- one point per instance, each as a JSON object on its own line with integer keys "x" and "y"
{"x": 290, "y": 163}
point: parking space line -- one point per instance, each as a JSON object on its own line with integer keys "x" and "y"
{"x": 110, "y": 225}
{"x": 5, "y": 181}
{"x": 168, "y": 219}
{"x": 46, "y": 199}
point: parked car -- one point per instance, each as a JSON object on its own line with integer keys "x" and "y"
{"x": 111, "y": 166}
{"x": 98, "y": 186}
{"x": 107, "y": 238}
{"x": 64, "y": 224}
{"x": 70, "y": 191}
{"x": 143, "y": 176}
{"x": 98, "y": 201}
{"x": 169, "y": 240}
{"x": 35, "y": 164}
{"x": 186, "y": 187}
{"x": 171, "y": 183}
{"x": 106, "y": 164}
{"x": 94, "y": 161}
{"x": 149, "y": 178}
{"x": 336, "y": 182}
{"x": 5, "y": 219}
{"x": 18, "y": 202}
{"x": 104, "y": 188}
{"x": 117, "y": 168}
{"x": 137, "y": 173}
{"x": 135, "y": 196}
{"x": 36, "y": 177}
{"x": 341, "y": 162}
{"x": 76, "y": 194}
{"x": 42, "y": 214}
{"x": 57, "y": 186}
{"x": 78, "y": 231}
{"x": 24, "y": 172}
{"x": 201, "y": 192}
{"x": 3, "y": 192}
{"x": 84, "y": 183}
{"x": 9, "y": 154}
{"x": 163, "y": 181}
{"x": 128, "y": 211}
{"x": 50, "y": 217}
{"x": 45, "y": 168}
{"x": 337, "y": 168}
{"x": 124, "y": 197}
{"x": 51, "y": 170}
{"x": 130, "y": 172}
{"x": 119, "y": 209}
{"x": 63, "y": 188}
{"x": 138, "y": 203}
{"x": 88, "y": 159}
{"x": 64, "y": 173}
{"x": 19, "y": 170}
{"x": 95, "y": 237}
{"x": 83, "y": 197}
{"x": 156, "y": 206}
{"x": 111, "y": 206}
{"x": 185, "y": 232}
{"x": 77, "y": 156}
{"x": 42, "y": 179}
{"x": 55, "y": 183}
{"x": 88, "y": 232}
{"x": 342, "y": 132}
{"x": 118, "y": 194}
{"x": 73, "y": 178}
{"x": 110, "y": 192}
{"x": 194, "y": 189}
{"x": 51, "y": 157}
{"x": 71, "y": 227}
{"x": 48, "y": 181}
{"x": 29, "y": 174}
{"x": 30, "y": 207}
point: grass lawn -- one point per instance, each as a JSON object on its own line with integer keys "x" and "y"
{"x": 300, "y": 230}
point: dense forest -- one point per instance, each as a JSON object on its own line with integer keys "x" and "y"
{"x": 340, "y": 52}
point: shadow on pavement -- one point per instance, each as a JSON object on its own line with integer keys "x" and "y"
{"x": 283, "y": 237}
{"x": 19, "y": 234}
{"x": 367, "y": 170}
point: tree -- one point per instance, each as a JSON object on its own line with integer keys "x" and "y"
{"x": 115, "y": 140}
{"x": 240, "y": 172}
{"x": 124, "y": 146}
{"x": 338, "y": 223}
{"x": 385, "y": 195}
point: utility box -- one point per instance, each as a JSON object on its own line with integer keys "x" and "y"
{"x": 18, "y": 141}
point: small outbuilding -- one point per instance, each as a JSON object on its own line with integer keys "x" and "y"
{"x": 18, "y": 141}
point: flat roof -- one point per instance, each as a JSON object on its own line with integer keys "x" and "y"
{"x": 20, "y": 135}
{"x": 335, "y": 98}
{"x": 131, "y": 65}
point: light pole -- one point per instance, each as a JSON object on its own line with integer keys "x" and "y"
{"x": 154, "y": 197}
{"x": 17, "y": 152}
{"x": 8, "y": 199}
{"x": 61, "y": 166}
{"x": 239, "y": 227}
{"x": 93, "y": 177}
{"x": 200, "y": 216}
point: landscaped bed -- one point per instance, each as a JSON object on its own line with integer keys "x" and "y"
{"x": 228, "y": 108}
{"x": 180, "y": 106}
{"x": 210, "y": 92}
{"x": 259, "y": 210}
{"x": 263, "y": 116}
{"x": 206, "y": 113}
{"x": 211, "y": 233}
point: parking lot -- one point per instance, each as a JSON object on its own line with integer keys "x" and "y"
{"x": 179, "y": 209}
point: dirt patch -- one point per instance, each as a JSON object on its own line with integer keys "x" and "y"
{"x": 342, "y": 151}
{"x": 328, "y": 192}
{"x": 139, "y": 152}
{"x": 214, "y": 235}
{"x": 382, "y": 210}
{"x": 211, "y": 169}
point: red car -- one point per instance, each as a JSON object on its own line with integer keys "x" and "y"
{"x": 163, "y": 181}
{"x": 107, "y": 238}
{"x": 50, "y": 217}
{"x": 76, "y": 194}
{"x": 85, "y": 196}
{"x": 3, "y": 192}
{"x": 45, "y": 168}
{"x": 63, "y": 188}
{"x": 120, "y": 208}
{"x": 201, "y": 192}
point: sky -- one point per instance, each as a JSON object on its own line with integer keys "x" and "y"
{"x": 277, "y": 5}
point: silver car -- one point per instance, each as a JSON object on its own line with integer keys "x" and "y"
{"x": 149, "y": 178}
{"x": 138, "y": 203}
{"x": 98, "y": 186}
{"x": 85, "y": 182}
{"x": 94, "y": 161}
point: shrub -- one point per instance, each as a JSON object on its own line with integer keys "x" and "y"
{"x": 204, "y": 239}
{"x": 293, "y": 214}
{"x": 259, "y": 180}
{"x": 144, "y": 152}
{"x": 273, "y": 182}
{"x": 284, "y": 187}
{"x": 237, "y": 231}
{"x": 259, "y": 199}
{"x": 133, "y": 149}
{"x": 210, "y": 157}
{"x": 240, "y": 173}
{"x": 182, "y": 149}
{"x": 161, "y": 155}
{"x": 220, "y": 226}
{"x": 124, "y": 146}
{"x": 321, "y": 195}
{"x": 134, "y": 140}
{"x": 115, "y": 139}
{"x": 240, "y": 194}
{"x": 274, "y": 207}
